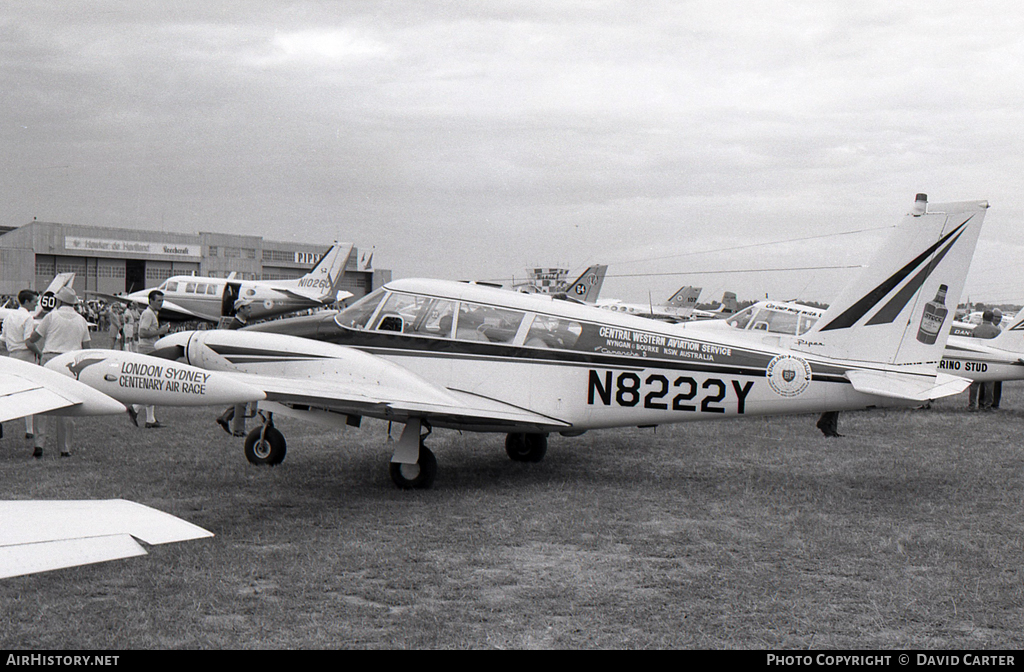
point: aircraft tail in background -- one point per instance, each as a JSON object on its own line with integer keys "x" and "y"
{"x": 587, "y": 287}
{"x": 324, "y": 281}
{"x": 684, "y": 301}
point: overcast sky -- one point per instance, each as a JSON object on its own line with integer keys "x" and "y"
{"x": 474, "y": 139}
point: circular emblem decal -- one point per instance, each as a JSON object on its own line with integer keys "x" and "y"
{"x": 48, "y": 301}
{"x": 788, "y": 376}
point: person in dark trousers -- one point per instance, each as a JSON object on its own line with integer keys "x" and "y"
{"x": 979, "y": 395}
{"x": 997, "y": 385}
{"x": 828, "y": 423}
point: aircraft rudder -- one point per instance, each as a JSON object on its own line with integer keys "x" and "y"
{"x": 899, "y": 308}
{"x": 587, "y": 287}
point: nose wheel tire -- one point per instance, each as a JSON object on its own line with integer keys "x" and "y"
{"x": 526, "y": 447}
{"x": 265, "y": 446}
{"x": 419, "y": 476}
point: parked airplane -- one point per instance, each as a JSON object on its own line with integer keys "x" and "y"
{"x": 38, "y": 536}
{"x": 999, "y": 358}
{"x": 679, "y": 307}
{"x": 584, "y": 289}
{"x": 432, "y": 353}
{"x": 727, "y": 307}
{"x": 190, "y": 297}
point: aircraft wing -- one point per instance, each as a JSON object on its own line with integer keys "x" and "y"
{"x": 341, "y": 295}
{"x": 304, "y": 374}
{"x": 445, "y": 407}
{"x": 39, "y": 536}
{"x": 27, "y": 389}
{"x": 169, "y": 310}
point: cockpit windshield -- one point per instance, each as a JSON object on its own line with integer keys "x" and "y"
{"x": 356, "y": 315}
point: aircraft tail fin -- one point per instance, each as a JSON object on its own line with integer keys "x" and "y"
{"x": 324, "y": 280}
{"x": 896, "y": 313}
{"x": 729, "y": 304}
{"x": 587, "y": 287}
{"x": 685, "y": 300}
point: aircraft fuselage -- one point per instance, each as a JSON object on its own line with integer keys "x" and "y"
{"x": 581, "y": 365}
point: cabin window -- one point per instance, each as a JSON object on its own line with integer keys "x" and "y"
{"x": 487, "y": 324}
{"x": 201, "y": 288}
{"x": 552, "y": 332}
{"x": 806, "y": 322}
{"x": 190, "y": 287}
{"x": 358, "y": 314}
{"x": 212, "y": 289}
{"x": 434, "y": 318}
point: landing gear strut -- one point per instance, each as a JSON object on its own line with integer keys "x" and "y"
{"x": 413, "y": 466}
{"x": 265, "y": 445}
{"x": 526, "y": 447}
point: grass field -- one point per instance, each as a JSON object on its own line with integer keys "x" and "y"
{"x": 741, "y": 534}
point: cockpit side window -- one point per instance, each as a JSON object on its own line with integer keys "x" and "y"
{"x": 552, "y": 332}
{"x": 358, "y": 314}
{"x": 478, "y": 322}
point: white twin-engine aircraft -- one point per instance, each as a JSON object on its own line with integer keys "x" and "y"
{"x": 431, "y": 353}
{"x": 191, "y": 297}
{"x": 680, "y": 306}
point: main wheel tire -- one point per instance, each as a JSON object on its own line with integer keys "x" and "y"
{"x": 526, "y": 447}
{"x": 419, "y": 476}
{"x": 265, "y": 446}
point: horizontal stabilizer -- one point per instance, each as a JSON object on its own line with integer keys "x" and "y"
{"x": 907, "y": 386}
{"x": 38, "y": 536}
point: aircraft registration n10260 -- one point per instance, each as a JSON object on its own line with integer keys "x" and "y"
{"x": 432, "y": 353}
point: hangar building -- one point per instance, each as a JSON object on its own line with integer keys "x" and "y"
{"x": 113, "y": 260}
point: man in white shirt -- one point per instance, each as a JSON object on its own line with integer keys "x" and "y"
{"x": 17, "y": 328}
{"x": 62, "y": 330}
{"x": 150, "y": 332}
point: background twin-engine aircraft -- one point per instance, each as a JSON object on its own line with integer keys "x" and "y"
{"x": 191, "y": 297}
{"x": 431, "y": 353}
{"x": 680, "y": 307}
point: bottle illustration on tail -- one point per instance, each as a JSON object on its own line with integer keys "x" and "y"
{"x": 935, "y": 312}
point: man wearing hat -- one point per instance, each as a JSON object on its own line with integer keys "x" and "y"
{"x": 62, "y": 330}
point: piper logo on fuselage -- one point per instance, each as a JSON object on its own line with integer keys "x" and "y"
{"x": 662, "y": 392}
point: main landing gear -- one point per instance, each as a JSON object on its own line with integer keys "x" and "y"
{"x": 526, "y": 447}
{"x": 265, "y": 445}
{"x": 413, "y": 465}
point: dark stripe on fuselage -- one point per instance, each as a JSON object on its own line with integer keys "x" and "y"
{"x": 390, "y": 344}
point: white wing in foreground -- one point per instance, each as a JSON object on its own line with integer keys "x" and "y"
{"x": 39, "y": 536}
{"x": 27, "y": 389}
